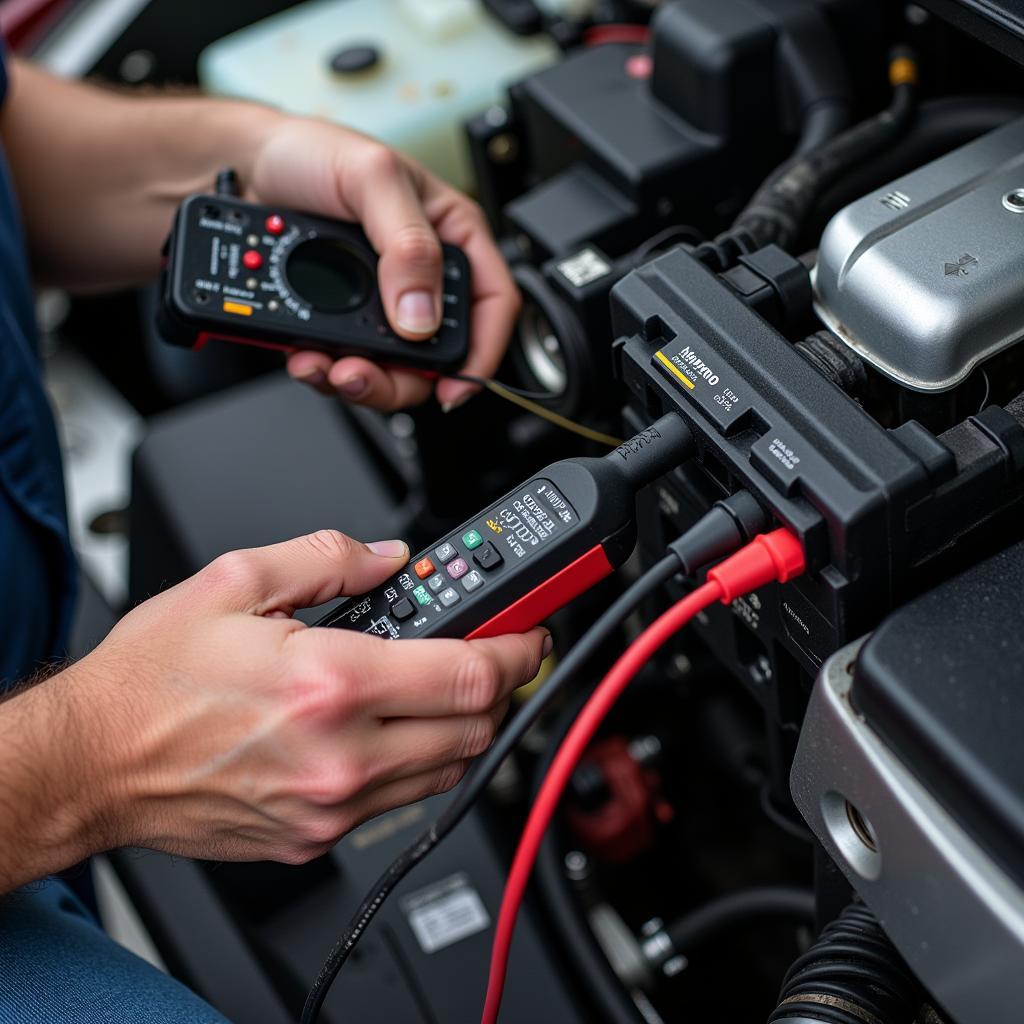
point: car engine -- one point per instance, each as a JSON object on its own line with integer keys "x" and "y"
{"x": 797, "y": 226}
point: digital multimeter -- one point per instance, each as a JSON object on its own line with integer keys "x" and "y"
{"x": 258, "y": 275}
{"x": 527, "y": 555}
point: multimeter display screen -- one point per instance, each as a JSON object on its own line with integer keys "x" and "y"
{"x": 328, "y": 275}
{"x": 527, "y": 519}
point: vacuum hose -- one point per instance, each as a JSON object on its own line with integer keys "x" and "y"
{"x": 781, "y": 206}
{"x": 851, "y": 975}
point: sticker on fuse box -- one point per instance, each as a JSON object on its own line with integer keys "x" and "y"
{"x": 806, "y": 628}
{"x": 705, "y": 381}
{"x": 445, "y": 913}
{"x": 781, "y": 451}
{"x": 583, "y": 267}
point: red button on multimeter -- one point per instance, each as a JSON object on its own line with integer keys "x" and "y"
{"x": 547, "y": 541}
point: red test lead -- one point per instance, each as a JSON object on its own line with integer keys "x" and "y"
{"x": 727, "y": 526}
{"x": 771, "y": 557}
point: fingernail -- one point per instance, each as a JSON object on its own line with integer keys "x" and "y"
{"x": 315, "y": 378}
{"x": 549, "y": 644}
{"x": 416, "y": 313}
{"x": 389, "y": 548}
{"x": 354, "y": 387}
{"x": 448, "y": 406}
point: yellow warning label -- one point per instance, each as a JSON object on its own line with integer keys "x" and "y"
{"x": 675, "y": 369}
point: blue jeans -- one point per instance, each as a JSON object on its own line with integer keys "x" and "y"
{"x": 57, "y": 966}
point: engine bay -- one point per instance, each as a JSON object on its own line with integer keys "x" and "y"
{"x": 795, "y": 230}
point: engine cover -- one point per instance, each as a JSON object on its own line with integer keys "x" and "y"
{"x": 923, "y": 277}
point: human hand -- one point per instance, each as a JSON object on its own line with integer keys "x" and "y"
{"x": 405, "y": 210}
{"x": 215, "y": 725}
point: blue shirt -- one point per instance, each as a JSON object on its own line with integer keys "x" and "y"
{"x": 36, "y": 566}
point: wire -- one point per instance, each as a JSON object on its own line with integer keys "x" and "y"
{"x": 778, "y": 211}
{"x": 561, "y": 771}
{"x": 483, "y": 382}
{"x": 775, "y": 556}
{"x": 721, "y": 530}
{"x": 988, "y": 391}
{"x": 476, "y": 782}
{"x": 779, "y": 208}
{"x": 779, "y": 818}
{"x": 525, "y": 400}
{"x": 563, "y": 909}
{"x": 711, "y": 919}
{"x": 684, "y": 232}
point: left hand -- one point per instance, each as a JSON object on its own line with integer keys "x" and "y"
{"x": 404, "y": 210}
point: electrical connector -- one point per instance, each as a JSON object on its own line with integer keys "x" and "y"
{"x": 770, "y": 557}
{"x": 726, "y": 526}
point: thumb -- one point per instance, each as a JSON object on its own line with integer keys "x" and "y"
{"x": 386, "y": 201}
{"x": 306, "y": 571}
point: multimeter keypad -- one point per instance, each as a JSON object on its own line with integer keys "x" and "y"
{"x": 452, "y": 574}
{"x": 471, "y": 581}
{"x": 487, "y": 556}
{"x": 445, "y": 553}
{"x": 457, "y": 568}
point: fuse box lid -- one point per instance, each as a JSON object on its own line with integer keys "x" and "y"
{"x": 942, "y": 681}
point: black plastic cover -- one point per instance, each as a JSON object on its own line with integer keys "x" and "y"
{"x": 942, "y": 681}
{"x": 256, "y": 465}
{"x": 998, "y": 23}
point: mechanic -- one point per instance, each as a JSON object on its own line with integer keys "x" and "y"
{"x": 209, "y": 723}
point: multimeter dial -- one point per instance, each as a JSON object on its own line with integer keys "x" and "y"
{"x": 311, "y": 273}
{"x": 258, "y": 275}
{"x": 325, "y": 273}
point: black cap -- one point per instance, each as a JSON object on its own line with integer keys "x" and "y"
{"x": 353, "y": 59}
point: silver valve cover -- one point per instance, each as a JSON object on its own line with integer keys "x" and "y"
{"x": 924, "y": 278}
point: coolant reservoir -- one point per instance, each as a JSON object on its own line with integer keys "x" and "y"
{"x": 408, "y": 72}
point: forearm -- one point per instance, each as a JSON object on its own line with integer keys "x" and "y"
{"x": 99, "y": 174}
{"x": 51, "y": 793}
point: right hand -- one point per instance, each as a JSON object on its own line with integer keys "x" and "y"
{"x": 212, "y": 724}
{"x": 406, "y": 213}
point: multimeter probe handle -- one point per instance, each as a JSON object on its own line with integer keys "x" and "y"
{"x": 654, "y": 451}
{"x": 524, "y": 557}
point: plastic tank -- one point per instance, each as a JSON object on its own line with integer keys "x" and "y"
{"x": 408, "y": 72}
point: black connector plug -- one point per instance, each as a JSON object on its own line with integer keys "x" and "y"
{"x": 227, "y": 183}
{"x": 726, "y": 527}
{"x": 654, "y": 451}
